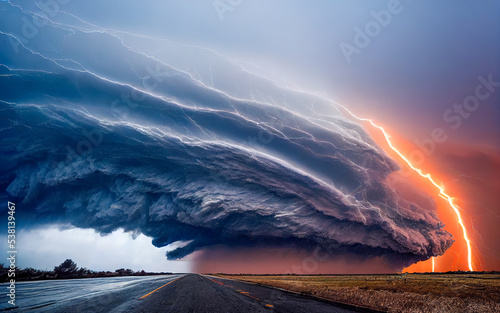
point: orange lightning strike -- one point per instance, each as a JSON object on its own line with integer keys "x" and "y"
{"x": 442, "y": 194}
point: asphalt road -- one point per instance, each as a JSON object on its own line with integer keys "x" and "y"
{"x": 176, "y": 293}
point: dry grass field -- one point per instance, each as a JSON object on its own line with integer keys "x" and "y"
{"x": 447, "y": 292}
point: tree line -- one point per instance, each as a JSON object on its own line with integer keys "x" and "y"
{"x": 67, "y": 270}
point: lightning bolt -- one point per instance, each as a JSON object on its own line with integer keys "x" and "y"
{"x": 428, "y": 176}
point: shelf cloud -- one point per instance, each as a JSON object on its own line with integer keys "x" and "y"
{"x": 184, "y": 145}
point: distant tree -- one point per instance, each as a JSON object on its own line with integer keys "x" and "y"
{"x": 67, "y": 268}
{"x": 28, "y": 273}
{"x": 84, "y": 272}
{"x": 3, "y": 272}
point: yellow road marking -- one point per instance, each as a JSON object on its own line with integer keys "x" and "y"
{"x": 158, "y": 288}
{"x": 246, "y": 294}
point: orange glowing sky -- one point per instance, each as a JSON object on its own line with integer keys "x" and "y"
{"x": 469, "y": 175}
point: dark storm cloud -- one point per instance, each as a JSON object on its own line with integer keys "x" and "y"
{"x": 99, "y": 132}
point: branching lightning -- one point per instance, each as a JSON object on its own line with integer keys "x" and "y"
{"x": 442, "y": 193}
